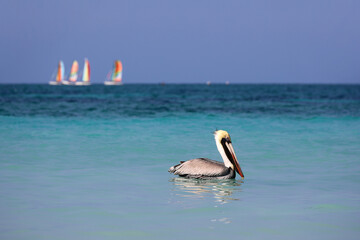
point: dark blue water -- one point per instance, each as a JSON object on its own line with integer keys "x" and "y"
{"x": 91, "y": 162}
{"x": 100, "y": 101}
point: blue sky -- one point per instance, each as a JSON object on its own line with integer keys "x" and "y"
{"x": 241, "y": 41}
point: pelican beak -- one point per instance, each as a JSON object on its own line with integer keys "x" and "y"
{"x": 233, "y": 158}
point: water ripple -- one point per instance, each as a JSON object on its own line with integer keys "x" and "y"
{"x": 222, "y": 191}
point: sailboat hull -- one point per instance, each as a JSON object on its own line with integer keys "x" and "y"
{"x": 54, "y": 83}
{"x": 112, "y": 83}
{"x": 69, "y": 83}
{"x": 65, "y": 82}
{"x": 82, "y": 83}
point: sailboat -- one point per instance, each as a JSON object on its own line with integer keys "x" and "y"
{"x": 116, "y": 74}
{"x": 85, "y": 75}
{"x": 59, "y": 75}
{"x": 73, "y": 74}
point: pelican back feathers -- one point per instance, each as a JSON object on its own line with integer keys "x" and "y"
{"x": 202, "y": 168}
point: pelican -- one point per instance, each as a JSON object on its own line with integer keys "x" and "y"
{"x": 204, "y": 168}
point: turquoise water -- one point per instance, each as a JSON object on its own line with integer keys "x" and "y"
{"x": 91, "y": 163}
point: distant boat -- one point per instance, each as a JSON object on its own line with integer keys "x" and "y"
{"x": 208, "y": 83}
{"x": 73, "y": 74}
{"x": 114, "y": 77}
{"x": 59, "y": 75}
{"x": 227, "y": 83}
{"x": 85, "y": 75}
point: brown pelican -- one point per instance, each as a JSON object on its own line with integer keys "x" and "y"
{"x": 204, "y": 168}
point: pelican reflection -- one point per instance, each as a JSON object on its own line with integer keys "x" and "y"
{"x": 223, "y": 191}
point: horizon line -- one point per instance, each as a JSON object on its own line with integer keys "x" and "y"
{"x": 204, "y": 83}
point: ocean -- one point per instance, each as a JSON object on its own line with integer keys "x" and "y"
{"x": 92, "y": 162}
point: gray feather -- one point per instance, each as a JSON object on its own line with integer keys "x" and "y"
{"x": 202, "y": 168}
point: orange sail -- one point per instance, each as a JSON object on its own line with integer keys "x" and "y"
{"x": 60, "y": 72}
{"x": 74, "y": 71}
{"x": 117, "y": 72}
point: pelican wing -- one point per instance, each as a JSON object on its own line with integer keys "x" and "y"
{"x": 200, "y": 168}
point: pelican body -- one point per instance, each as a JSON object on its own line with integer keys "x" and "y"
{"x": 204, "y": 168}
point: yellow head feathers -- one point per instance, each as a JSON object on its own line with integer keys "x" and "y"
{"x": 220, "y": 134}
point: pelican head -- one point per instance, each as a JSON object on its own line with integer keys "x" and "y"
{"x": 224, "y": 145}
